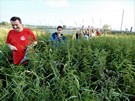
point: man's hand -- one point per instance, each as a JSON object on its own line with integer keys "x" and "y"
{"x": 12, "y": 47}
{"x": 31, "y": 45}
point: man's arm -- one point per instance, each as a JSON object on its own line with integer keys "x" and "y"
{"x": 12, "y": 47}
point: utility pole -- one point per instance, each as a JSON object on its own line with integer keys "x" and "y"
{"x": 122, "y": 19}
{"x": 100, "y": 23}
{"x": 134, "y": 16}
{"x": 92, "y": 21}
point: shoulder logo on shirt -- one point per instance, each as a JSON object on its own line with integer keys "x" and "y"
{"x": 23, "y": 38}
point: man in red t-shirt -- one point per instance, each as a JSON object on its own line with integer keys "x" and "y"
{"x": 19, "y": 39}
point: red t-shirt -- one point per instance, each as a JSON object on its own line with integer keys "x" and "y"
{"x": 98, "y": 33}
{"x": 20, "y": 40}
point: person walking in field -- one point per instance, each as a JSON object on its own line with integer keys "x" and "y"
{"x": 92, "y": 32}
{"x": 98, "y": 32}
{"x": 19, "y": 39}
{"x": 86, "y": 33}
{"x": 58, "y": 37}
{"x": 77, "y": 35}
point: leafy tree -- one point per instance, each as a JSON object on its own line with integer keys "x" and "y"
{"x": 106, "y": 28}
{"x": 64, "y": 26}
{"x": 5, "y": 24}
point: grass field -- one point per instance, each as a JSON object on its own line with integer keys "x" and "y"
{"x": 3, "y": 34}
{"x": 99, "y": 69}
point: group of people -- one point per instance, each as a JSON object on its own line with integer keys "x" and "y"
{"x": 86, "y": 33}
{"x": 20, "y": 39}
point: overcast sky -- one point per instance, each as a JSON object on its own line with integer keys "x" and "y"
{"x": 71, "y": 12}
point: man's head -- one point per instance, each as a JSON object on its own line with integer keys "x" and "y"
{"x": 59, "y": 29}
{"x": 16, "y": 24}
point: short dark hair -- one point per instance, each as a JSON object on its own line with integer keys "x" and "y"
{"x": 59, "y": 27}
{"x": 14, "y": 18}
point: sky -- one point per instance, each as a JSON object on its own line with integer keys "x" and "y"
{"x": 71, "y": 12}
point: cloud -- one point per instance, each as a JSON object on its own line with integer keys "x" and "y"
{"x": 57, "y": 3}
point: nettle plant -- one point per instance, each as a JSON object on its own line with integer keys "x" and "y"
{"x": 99, "y": 69}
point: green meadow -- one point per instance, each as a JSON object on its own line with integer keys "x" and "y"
{"x": 99, "y": 69}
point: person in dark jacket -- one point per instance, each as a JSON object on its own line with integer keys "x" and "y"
{"x": 58, "y": 37}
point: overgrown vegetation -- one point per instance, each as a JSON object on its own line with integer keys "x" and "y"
{"x": 99, "y": 69}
